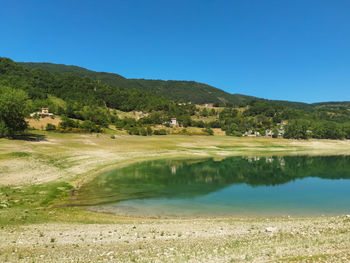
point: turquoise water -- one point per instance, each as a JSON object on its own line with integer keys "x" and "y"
{"x": 235, "y": 186}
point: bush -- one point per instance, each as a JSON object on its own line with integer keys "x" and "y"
{"x": 134, "y": 131}
{"x": 4, "y": 131}
{"x": 50, "y": 127}
{"x": 143, "y": 131}
{"x": 90, "y": 126}
{"x": 275, "y": 133}
{"x": 160, "y": 132}
{"x": 69, "y": 125}
{"x": 149, "y": 131}
{"x": 208, "y": 131}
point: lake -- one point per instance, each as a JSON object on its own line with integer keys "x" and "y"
{"x": 235, "y": 186}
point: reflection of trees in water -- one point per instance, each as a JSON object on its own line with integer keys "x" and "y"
{"x": 170, "y": 179}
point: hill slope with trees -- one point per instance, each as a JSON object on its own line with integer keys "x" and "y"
{"x": 94, "y": 104}
{"x": 187, "y": 91}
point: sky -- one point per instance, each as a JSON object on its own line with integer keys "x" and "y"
{"x": 296, "y": 50}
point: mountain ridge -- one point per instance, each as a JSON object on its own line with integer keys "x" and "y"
{"x": 180, "y": 90}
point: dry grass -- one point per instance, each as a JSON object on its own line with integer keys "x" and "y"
{"x": 131, "y": 114}
{"x": 41, "y": 123}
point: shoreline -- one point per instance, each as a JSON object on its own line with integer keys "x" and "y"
{"x": 75, "y": 157}
{"x": 101, "y": 210}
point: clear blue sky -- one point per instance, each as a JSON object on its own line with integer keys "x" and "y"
{"x": 277, "y": 49}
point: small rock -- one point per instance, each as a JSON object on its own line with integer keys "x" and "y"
{"x": 271, "y": 229}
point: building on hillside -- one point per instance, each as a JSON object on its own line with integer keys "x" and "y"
{"x": 251, "y": 133}
{"x": 43, "y": 113}
{"x": 173, "y": 122}
{"x": 268, "y": 133}
{"x": 209, "y": 105}
{"x": 281, "y": 132}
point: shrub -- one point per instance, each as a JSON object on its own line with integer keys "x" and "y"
{"x": 50, "y": 127}
{"x": 160, "y": 132}
{"x": 4, "y": 130}
{"x": 208, "y": 131}
{"x": 143, "y": 131}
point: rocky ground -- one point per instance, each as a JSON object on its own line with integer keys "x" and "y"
{"x": 325, "y": 239}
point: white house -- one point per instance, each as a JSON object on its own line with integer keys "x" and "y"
{"x": 251, "y": 133}
{"x": 174, "y": 122}
{"x": 43, "y": 113}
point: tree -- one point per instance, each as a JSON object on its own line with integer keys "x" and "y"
{"x": 149, "y": 131}
{"x": 143, "y": 132}
{"x": 209, "y": 131}
{"x": 14, "y": 107}
{"x": 233, "y": 130}
{"x": 297, "y": 129}
{"x": 275, "y": 133}
{"x": 50, "y": 127}
{"x": 204, "y": 112}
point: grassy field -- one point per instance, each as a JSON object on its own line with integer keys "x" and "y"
{"x": 39, "y": 172}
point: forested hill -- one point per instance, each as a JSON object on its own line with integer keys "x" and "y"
{"x": 87, "y": 97}
{"x": 187, "y": 91}
{"x": 75, "y": 89}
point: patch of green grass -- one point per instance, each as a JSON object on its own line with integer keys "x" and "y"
{"x": 15, "y": 155}
{"x": 273, "y": 146}
{"x": 229, "y": 147}
{"x": 21, "y": 205}
{"x": 305, "y": 258}
{"x": 57, "y": 161}
{"x": 20, "y": 154}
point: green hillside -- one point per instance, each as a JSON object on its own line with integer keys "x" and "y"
{"x": 187, "y": 91}
{"x": 94, "y": 99}
{"x": 78, "y": 91}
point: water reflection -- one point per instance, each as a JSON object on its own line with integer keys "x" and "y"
{"x": 169, "y": 179}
